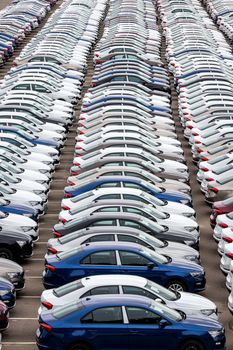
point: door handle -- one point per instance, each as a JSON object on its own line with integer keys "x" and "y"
{"x": 134, "y": 331}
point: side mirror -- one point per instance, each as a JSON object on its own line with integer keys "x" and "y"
{"x": 163, "y": 323}
{"x": 150, "y": 265}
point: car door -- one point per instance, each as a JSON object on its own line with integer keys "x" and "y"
{"x": 105, "y": 329}
{"x": 145, "y": 332}
{"x": 101, "y": 262}
{"x": 135, "y": 264}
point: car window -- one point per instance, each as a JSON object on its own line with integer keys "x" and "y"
{"x": 100, "y": 258}
{"x": 104, "y": 315}
{"x": 112, "y": 173}
{"x": 99, "y": 238}
{"x": 108, "y": 209}
{"x": 110, "y": 184}
{"x": 138, "y": 291}
{"x": 127, "y": 238}
{"x": 101, "y": 290}
{"x": 134, "y": 198}
{"x": 132, "y": 259}
{"x": 109, "y": 196}
{"x": 138, "y": 315}
{"x": 104, "y": 223}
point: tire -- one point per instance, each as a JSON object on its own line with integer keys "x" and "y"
{"x": 192, "y": 345}
{"x": 6, "y": 253}
{"x": 176, "y": 286}
{"x": 80, "y": 346}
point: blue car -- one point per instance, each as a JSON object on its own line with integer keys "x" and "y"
{"x": 7, "y": 207}
{"x": 129, "y": 100}
{"x": 33, "y": 139}
{"x": 7, "y": 293}
{"x": 126, "y": 181}
{"x": 114, "y": 258}
{"x": 125, "y": 323}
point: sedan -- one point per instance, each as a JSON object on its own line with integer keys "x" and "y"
{"x": 131, "y": 258}
{"x": 190, "y": 304}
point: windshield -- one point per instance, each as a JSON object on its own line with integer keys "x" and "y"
{"x": 154, "y": 256}
{"x": 166, "y": 312}
{"x": 161, "y": 291}
{"x": 68, "y": 288}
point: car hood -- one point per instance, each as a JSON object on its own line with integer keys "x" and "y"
{"x": 5, "y": 284}
{"x": 15, "y": 234}
{"x": 9, "y": 266}
{"x": 194, "y": 301}
{"x": 204, "y": 322}
{"x": 186, "y": 265}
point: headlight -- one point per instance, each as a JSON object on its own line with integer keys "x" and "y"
{"x": 47, "y": 163}
{"x": 12, "y": 275}
{"x": 185, "y": 201}
{"x": 21, "y": 243}
{"x": 188, "y": 215}
{"x": 43, "y": 171}
{"x": 3, "y": 292}
{"x": 192, "y": 257}
{"x": 28, "y": 215}
{"x": 33, "y": 204}
{"x": 196, "y": 274}
{"x": 38, "y": 192}
{"x": 191, "y": 243}
{"x": 190, "y": 228}
{"x": 26, "y": 228}
{"x": 208, "y": 312}
{"x": 41, "y": 182}
{"x": 215, "y": 334}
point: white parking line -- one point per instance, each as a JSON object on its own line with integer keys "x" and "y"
{"x": 36, "y": 259}
{"x": 19, "y": 343}
{"x": 29, "y": 297}
{"x": 23, "y": 318}
{"x": 33, "y": 277}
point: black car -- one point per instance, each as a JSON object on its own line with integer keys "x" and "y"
{"x": 15, "y": 245}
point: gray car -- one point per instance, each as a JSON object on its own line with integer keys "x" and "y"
{"x": 13, "y": 272}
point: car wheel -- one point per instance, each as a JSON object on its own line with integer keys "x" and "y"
{"x": 176, "y": 286}
{"x": 192, "y": 345}
{"x": 6, "y": 253}
{"x": 80, "y": 346}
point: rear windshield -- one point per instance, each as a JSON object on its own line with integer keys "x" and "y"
{"x": 68, "y": 288}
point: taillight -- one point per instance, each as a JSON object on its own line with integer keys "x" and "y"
{"x": 197, "y": 142}
{"x": 65, "y": 207}
{"x": 221, "y": 224}
{"x": 72, "y": 183}
{"x": 63, "y": 221}
{"x": 46, "y": 327}
{"x": 204, "y": 159}
{"x": 209, "y": 179}
{"x": 199, "y": 150}
{"x": 53, "y": 251}
{"x": 190, "y": 127}
{"x": 81, "y": 132}
{"x": 78, "y": 147}
{"x": 76, "y": 164}
{"x": 228, "y": 239}
{"x": 50, "y": 267}
{"x": 97, "y": 55}
{"x": 74, "y": 173}
{"x": 68, "y": 195}
{"x": 48, "y": 305}
{"x": 81, "y": 125}
{"x": 205, "y": 169}
{"x": 230, "y": 255}
{"x": 94, "y": 84}
{"x": 195, "y": 134}
{"x": 218, "y": 211}
{"x": 57, "y": 234}
{"x": 214, "y": 189}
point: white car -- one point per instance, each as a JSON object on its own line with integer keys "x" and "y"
{"x": 226, "y": 238}
{"x": 126, "y": 193}
{"x": 189, "y": 303}
{"x": 20, "y": 222}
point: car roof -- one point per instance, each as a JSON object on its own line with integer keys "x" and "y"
{"x": 113, "y": 279}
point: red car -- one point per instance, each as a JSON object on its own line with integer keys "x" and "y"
{"x": 220, "y": 207}
{"x": 4, "y": 316}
